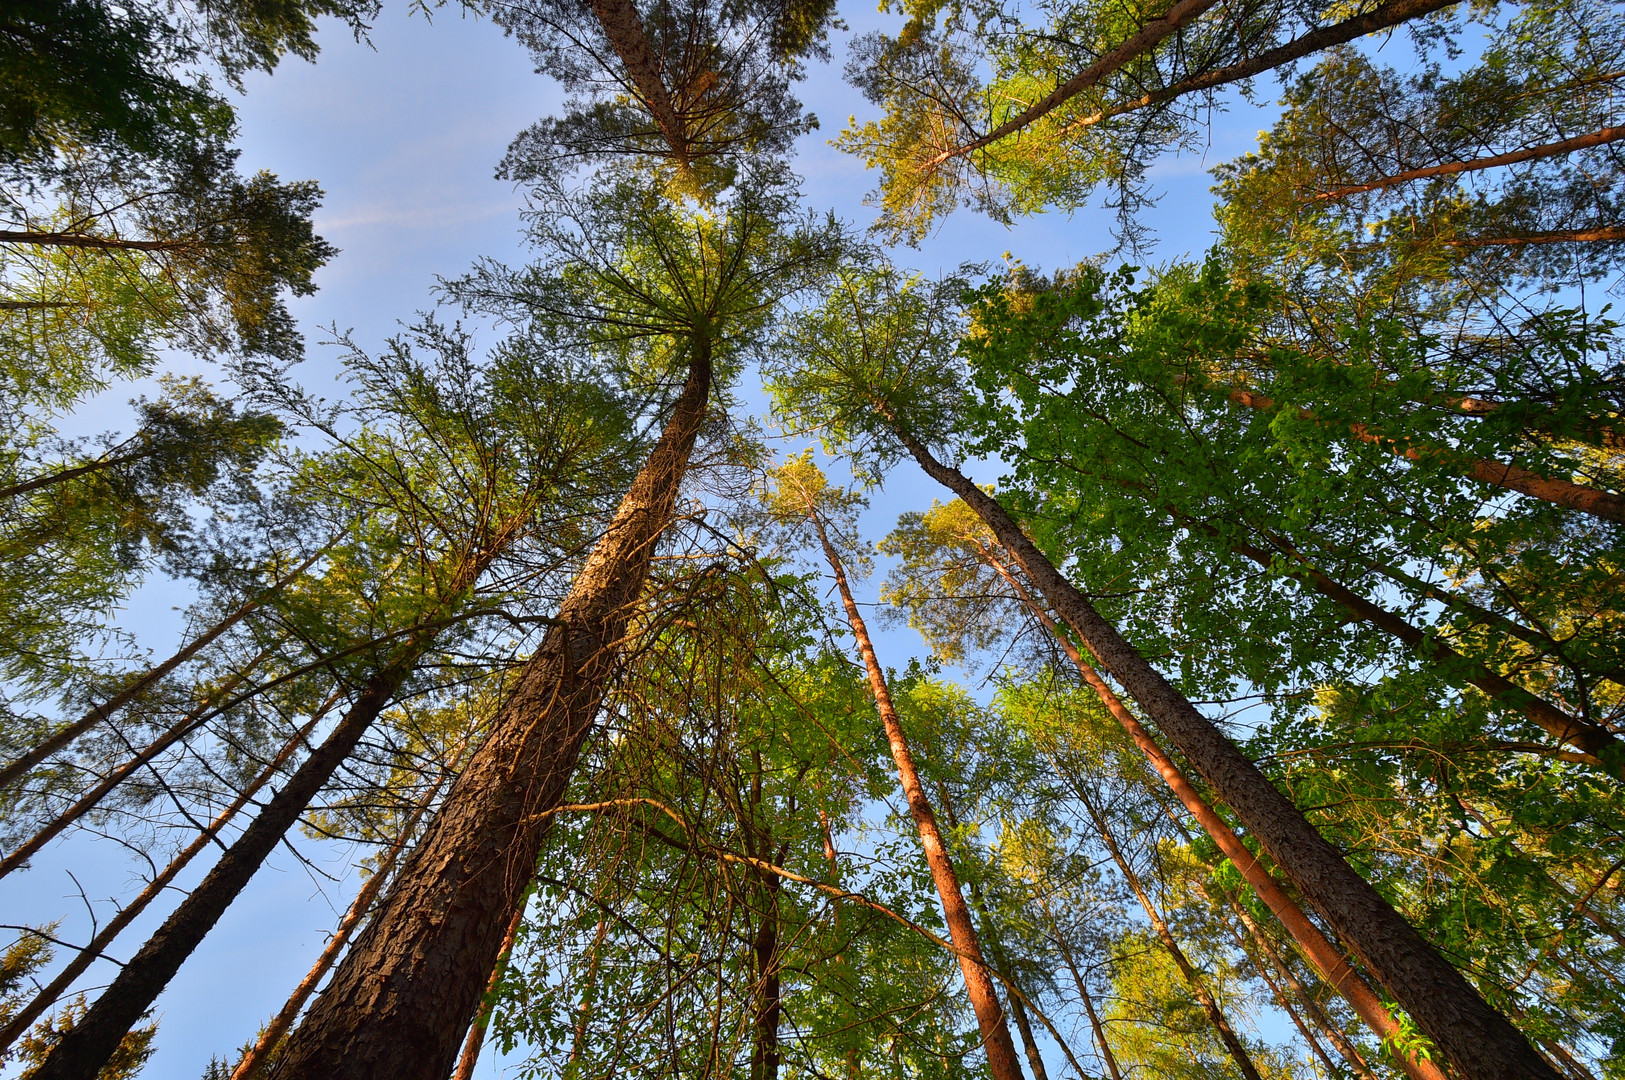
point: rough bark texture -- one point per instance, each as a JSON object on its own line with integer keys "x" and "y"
{"x": 88, "y": 1046}
{"x": 1326, "y": 957}
{"x": 399, "y": 1003}
{"x": 984, "y": 998}
{"x": 1478, "y": 1041}
{"x": 1198, "y": 985}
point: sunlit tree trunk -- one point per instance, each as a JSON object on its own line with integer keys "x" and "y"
{"x": 1001, "y": 1050}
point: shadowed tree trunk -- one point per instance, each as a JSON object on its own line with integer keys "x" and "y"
{"x": 1495, "y": 161}
{"x": 399, "y": 1003}
{"x": 1326, "y": 957}
{"x": 1480, "y": 1042}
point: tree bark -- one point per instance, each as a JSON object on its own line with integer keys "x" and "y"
{"x": 255, "y": 1059}
{"x": 1476, "y": 1039}
{"x": 1001, "y": 1050}
{"x": 482, "y": 1019}
{"x": 1328, "y": 960}
{"x": 102, "y": 712}
{"x": 1198, "y": 985}
{"x": 400, "y": 1001}
{"x": 1495, "y": 161}
{"x": 85, "y": 1049}
{"x": 155, "y": 888}
{"x": 624, "y": 29}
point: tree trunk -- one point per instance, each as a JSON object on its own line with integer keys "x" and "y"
{"x": 1326, "y": 957}
{"x": 764, "y": 1059}
{"x": 1001, "y": 1050}
{"x": 254, "y": 1060}
{"x": 1452, "y": 168}
{"x": 1215, "y": 1016}
{"x": 1151, "y": 33}
{"x": 102, "y": 712}
{"x": 155, "y": 888}
{"x": 482, "y": 1019}
{"x": 624, "y": 29}
{"x": 85, "y": 1049}
{"x": 1476, "y": 1039}
{"x": 1345, "y": 1047}
{"x": 400, "y": 1001}
{"x": 1604, "y": 748}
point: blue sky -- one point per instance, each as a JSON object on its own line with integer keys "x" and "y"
{"x": 404, "y": 135}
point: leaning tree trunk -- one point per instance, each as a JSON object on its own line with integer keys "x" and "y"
{"x": 87, "y": 1047}
{"x": 1476, "y": 1039}
{"x": 984, "y": 999}
{"x": 1199, "y": 987}
{"x": 1327, "y": 959}
{"x": 399, "y": 1003}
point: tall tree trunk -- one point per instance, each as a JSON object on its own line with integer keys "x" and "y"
{"x": 995, "y": 948}
{"x": 1198, "y": 985}
{"x": 1327, "y": 958}
{"x": 255, "y": 1059}
{"x": 482, "y": 1019}
{"x": 1001, "y": 1050}
{"x": 155, "y": 888}
{"x": 764, "y": 1058}
{"x": 85, "y": 1049}
{"x": 1333, "y": 1034}
{"x": 1151, "y": 33}
{"x": 1476, "y": 1039}
{"x": 624, "y": 29}
{"x": 145, "y": 682}
{"x": 400, "y": 1001}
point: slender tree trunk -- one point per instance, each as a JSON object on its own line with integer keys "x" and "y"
{"x": 1327, "y": 958}
{"x": 400, "y": 1001}
{"x": 1380, "y": 18}
{"x": 92, "y": 798}
{"x": 83, "y": 1051}
{"x": 1495, "y": 161}
{"x": 1198, "y": 985}
{"x": 1606, "y": 234}
{"x": 764, "y": 1060}
{"x": 1286, "y": 1006}
{"x": 1151, "y": 33}
{"x": 1001, "y": 1050}
{"x": 995, "y": 948}
{"x": 62, "y": 476}
{"x": 97, "y": 243}
{"x": 1501, "y": 474}
{"x": 589, "y": 998}
{"x": 112, "y": 705}
{"x": 255, "y": 1059}
{"x": 155, "y": 888}
{"x": 1476, "y": 1039}
{"x": 482, "y": 1019}
{"x": 1095, "y": 1024}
